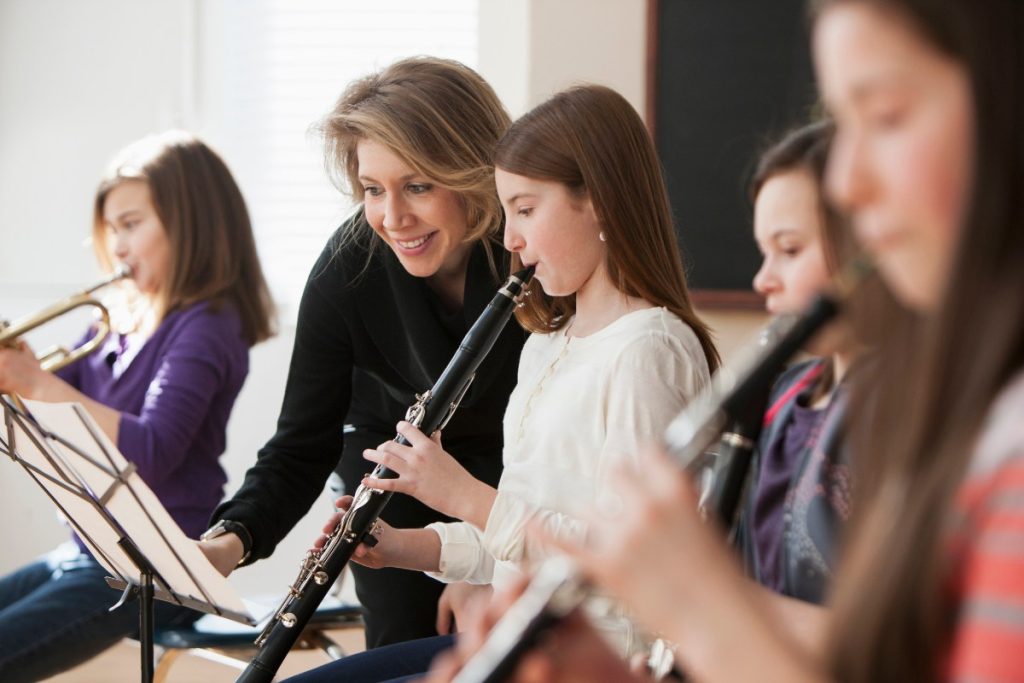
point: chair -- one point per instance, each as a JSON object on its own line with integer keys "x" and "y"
{"x": 232, "y": 644}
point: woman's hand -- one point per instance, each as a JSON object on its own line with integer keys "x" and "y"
{"x": 457, "y": 602}
{"x": 20, "y": 372}
{"x": 370, "y": 556}
{"x": 223, "y": 552}
{"x": 417, "y": 549}
{"x": 432, "y": 476}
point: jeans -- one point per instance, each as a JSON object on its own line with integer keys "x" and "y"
{"x": 399, "y": 662}
{"x": 54, "y": 615}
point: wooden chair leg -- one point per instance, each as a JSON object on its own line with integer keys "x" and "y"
{"x": 321, "y": 641}
{"x": 164, "y": 663}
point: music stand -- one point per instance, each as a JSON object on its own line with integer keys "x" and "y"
{"x": 115, "y": 513}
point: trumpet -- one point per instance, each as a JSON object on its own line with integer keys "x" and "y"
{"x": 57, "y": 357}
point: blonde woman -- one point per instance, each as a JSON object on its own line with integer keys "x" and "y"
{"x": 386, "y": 304}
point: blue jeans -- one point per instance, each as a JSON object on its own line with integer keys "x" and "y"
{"x": 399, "y": 662}
{"x": 54, "y": 615}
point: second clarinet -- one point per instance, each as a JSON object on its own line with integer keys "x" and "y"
{"x": 429, "y": 413}
{"x": 558, "y": 588}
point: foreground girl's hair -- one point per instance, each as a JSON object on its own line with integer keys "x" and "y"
{"x": 937, "y": 379}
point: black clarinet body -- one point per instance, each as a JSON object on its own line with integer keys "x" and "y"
{"x": 730, "y": 413}
{"x": 743, "y": 409}
{"x": 429, "y": 413}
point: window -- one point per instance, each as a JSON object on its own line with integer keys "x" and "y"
{"x": 268, "y": 69}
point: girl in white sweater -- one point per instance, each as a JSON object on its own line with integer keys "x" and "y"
{"x": 617, "y": 351}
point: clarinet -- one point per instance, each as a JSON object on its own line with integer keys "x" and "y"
{"x": 431, "y": 412}
{"x": 726, "y": 412}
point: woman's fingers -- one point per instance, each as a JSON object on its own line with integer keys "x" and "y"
{"x": 331, "y": 523}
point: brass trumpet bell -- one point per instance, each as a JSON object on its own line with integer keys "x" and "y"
{"x": 57, "y": 357}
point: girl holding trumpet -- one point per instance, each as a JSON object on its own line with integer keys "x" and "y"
{"x": 161, "y": 386}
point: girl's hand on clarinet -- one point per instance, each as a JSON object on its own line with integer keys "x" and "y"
{"x": 572, "y": 652}
{"x": 655, "y": 553}
{"x": 481, "y": 619}
{"x": 431, "y": 475}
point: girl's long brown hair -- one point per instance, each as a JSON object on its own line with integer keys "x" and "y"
{"x": 590, "y": 139}
{"x": 213, "y": 251}
{"x": 923, "y": 407}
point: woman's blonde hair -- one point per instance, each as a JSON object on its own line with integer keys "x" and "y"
{"x": 437, "y": 115}
{"x": 203, "y": 213}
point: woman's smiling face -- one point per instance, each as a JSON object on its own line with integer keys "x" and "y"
{"x": 423, "y": 223}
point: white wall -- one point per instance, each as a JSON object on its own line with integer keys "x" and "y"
{"x": 79, "y": 80}
{"x": 530, "y": 49}
{"x": 572, "y": 41}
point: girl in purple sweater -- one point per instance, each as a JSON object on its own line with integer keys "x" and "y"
{"x": 161, "y": 386}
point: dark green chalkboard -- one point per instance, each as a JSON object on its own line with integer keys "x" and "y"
{"x": 729, "y": 75}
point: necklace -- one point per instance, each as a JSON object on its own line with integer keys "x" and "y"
{"x": 549, "y": 371}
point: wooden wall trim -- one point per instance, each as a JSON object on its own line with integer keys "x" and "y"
{"x": 651, "y": 67}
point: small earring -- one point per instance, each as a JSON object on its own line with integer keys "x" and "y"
{"x": 601, "y": 236}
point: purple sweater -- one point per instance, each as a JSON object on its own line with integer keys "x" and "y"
{"x": 175, "y": 394}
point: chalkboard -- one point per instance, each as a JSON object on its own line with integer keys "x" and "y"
{"x": 729, "y": 75}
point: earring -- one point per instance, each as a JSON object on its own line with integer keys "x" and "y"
{"x": 601, "y": 236}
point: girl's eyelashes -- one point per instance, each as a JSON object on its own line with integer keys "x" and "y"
{"x": 372, "y": 190}
{"x": 418, "y": 188}
{"x": 122, "y": 226}
{"x": 524, "y": 211}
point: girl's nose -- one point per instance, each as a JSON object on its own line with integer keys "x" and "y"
{"x": 765, "y": 281}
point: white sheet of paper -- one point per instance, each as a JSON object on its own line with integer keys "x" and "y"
{"x": 135, "y": 507}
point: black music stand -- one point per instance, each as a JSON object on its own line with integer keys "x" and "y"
{"x": 115, "y": 513}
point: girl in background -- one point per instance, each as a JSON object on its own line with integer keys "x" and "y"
{"x": 161, "y": 387}
{"x": 801, "y": 489}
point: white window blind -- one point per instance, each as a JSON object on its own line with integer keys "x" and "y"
{"x": 268, "y": 69}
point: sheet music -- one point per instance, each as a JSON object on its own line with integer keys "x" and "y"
{"x": 100, "y": 467}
